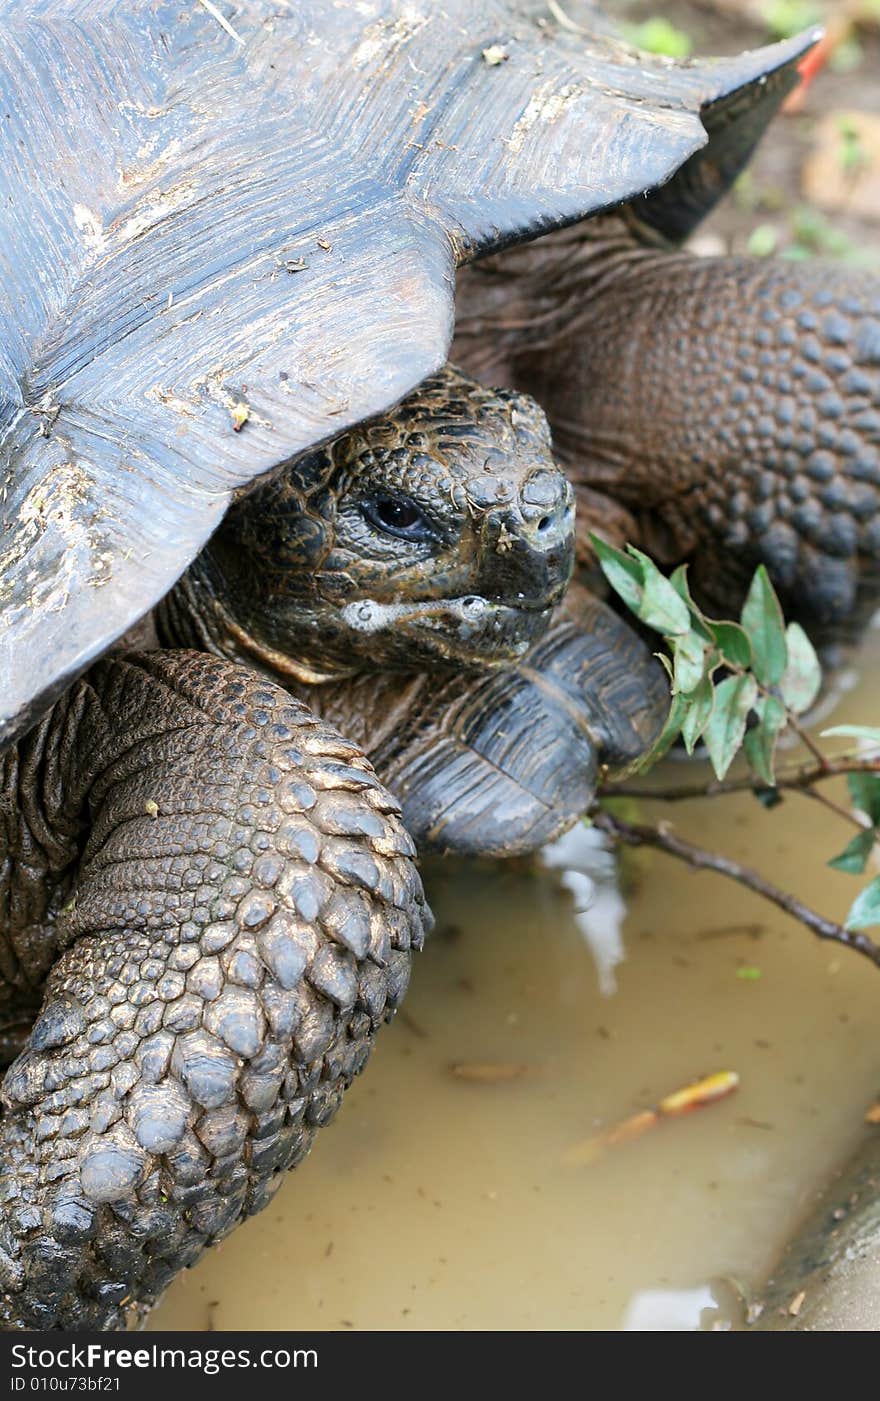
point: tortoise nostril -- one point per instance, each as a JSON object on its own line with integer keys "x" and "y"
{"x": 545, "y": 523}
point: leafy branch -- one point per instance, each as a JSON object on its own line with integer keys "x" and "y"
{"x": 738, "y": 686}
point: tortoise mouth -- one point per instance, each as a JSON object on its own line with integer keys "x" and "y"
{"x": 470, "y": 629}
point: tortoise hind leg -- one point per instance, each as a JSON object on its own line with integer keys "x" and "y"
{"x": 244, "y": 912}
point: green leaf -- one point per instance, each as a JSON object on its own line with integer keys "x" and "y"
{"x": 699, "y": 713}
{"x": 624, "y": 574}
{"x": 762, "y": 619}
{"x": 864, "y": 789}
{"x": 760, "y": 741}
{"x": 854, "y": 858}
{"x": 644, "y": 590}
{"x": 661, "y": 608}
{"x": 733, "y": 643}
{"x": 690, "y": 662}
{"x": 734, "y": 699}
{"x": 666, "y": 738}
{"x": 679, "y": 581}
{"x": 867, "y": 732}
{"x": 866, "y": 908}
{"x": 802, "y": 677}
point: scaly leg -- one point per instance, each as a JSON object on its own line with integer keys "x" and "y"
{"x": 241, "y": 922}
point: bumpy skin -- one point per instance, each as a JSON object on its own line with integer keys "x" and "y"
{"x": 729, "y": 408}
{"x": 498, "y": 762}
{"x": 207, "y": 891}
{"x": 236, "y": 901}
{"x": 486, "y": 704}
{"x": 313, "y": 577}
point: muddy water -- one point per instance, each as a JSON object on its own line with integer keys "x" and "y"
{"x": 441, "y": 1202}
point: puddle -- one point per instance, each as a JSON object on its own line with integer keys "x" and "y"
{"x": 441, "y": 1202}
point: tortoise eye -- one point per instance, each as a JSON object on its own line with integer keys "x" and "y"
{"x": 398, "y": 516}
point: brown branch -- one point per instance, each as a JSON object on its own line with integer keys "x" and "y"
{"x": 634, "y": 834}
{"x": 854, "y": 819}
{"x": 796, "y": 780}
{"x": 807, "y": 740}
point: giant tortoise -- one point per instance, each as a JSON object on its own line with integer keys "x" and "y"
{"x": 229, "y": 250}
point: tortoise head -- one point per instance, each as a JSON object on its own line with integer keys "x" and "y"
{"x": 439, "y": 534}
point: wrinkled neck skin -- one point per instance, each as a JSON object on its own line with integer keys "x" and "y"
{"x": 201, "y": 612}
{"x": 536, "y": 296}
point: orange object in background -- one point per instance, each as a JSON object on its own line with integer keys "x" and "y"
{"x": 837, "y": 30}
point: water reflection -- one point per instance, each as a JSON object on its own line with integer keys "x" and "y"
{"x": 588, "y": 870}
{"x": 667, "y": 1310}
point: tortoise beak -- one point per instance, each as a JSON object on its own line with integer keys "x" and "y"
{"x": 527, "y": 548}
{"x": 470, "y": 630}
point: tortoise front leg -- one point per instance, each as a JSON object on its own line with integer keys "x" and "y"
{"x": 499, "y": 762}
{"x": 241, "y": 923}
{"x": 731, "y": 405}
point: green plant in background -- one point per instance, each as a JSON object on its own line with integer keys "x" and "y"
{"x": 786, "y": 18}
{"x": 737, "y": 686}
{"x": 864, "y": 792}
{"x": 809, "y": 235}
{"x": 660, "y": 36}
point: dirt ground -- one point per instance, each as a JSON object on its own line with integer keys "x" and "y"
{"x": 814, "y": 187}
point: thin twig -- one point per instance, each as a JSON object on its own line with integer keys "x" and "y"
{"x": 795, "y": 780}
{"x": 807, "y": 739}
{"x": 854, "y": 819}
{"x": 562, "y": 18}
{"x": 634, "y": 834}
{"x": 221, "y": 20}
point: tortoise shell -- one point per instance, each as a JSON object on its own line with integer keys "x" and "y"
{"x": 228, "y": 234}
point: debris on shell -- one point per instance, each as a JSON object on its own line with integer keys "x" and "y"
{"x": 240, "y": 413}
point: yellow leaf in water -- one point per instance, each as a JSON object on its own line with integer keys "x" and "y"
{"x": 701, "y": 1092}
